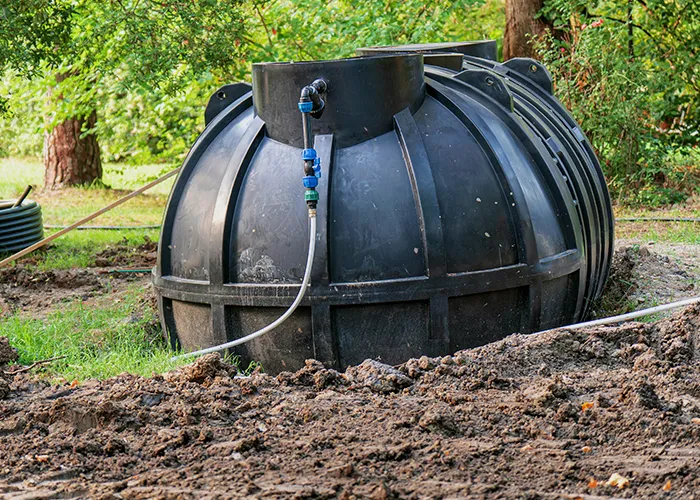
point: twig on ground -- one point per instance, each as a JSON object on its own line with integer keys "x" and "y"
{"x": 34, "y": 365}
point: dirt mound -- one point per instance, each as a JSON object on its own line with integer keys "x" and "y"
{"x": 7, "y": 353}
{"x": 556, "y": 415}
{"x": 644, "y": 276}
{"x": 123, "y": 255}
{"x": 23, "y": 288}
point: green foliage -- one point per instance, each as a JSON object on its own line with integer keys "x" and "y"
{"x": 147, "y": 127}
{"x": 150, "y": 91}
{"x": 31, "y": 32}
{"x": 98, "y": 340}
{"x": 283, "y": 30}
{"x": 636, "y": 96}
{"x": 22, "y": 123}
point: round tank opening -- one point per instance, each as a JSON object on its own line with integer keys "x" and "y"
{"x": 363, "y": 95}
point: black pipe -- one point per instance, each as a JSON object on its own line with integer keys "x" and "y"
{"x": 312, "y": 93}
{"x": 20, "y": 227}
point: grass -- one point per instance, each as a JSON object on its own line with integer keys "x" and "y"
{"x": 63, "y": 207}
{"x": 666, "y": 232}
{"x": 16, "y": 173}
{"x": 115, "y": 333}
{"x": 120, "y": 335}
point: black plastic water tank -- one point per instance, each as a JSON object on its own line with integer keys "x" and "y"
{"x": 457, "y": 207}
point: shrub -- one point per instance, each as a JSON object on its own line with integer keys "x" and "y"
{"x": 636, "y": 96}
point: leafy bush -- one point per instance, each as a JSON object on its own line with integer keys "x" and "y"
{"x": 631, "y": 81}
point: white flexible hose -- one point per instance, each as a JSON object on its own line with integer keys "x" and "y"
{"x": 281, "y": 319}
{"x": 624, "y": 317}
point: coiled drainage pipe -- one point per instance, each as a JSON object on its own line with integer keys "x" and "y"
{"x": 288, "y": 312}
{"x": 20, "y": 225}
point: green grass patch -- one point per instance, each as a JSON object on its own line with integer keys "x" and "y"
{"x": 120, "y": 335}
{"x": 16, "y": 173}
{"x": 661, "y": 232}
{"x": 66, "y": 206}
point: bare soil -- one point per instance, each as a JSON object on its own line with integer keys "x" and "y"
{"x": 648, "y": 275}
{"x": 609, "y": 412}
{"x": 547, "y": 416}
{"x": 126, "y": 256}
{"x": 36, "y": 293}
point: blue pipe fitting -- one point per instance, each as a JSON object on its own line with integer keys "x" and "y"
{"x": 308, "y": 154}
{"x": 306, "y": 107}
{"x": 310, "y": 181}
{"x": 317, "y": 167}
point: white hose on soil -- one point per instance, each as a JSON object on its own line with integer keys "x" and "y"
{"x": 281, "y": 319}
{"x": 625, "y": 317}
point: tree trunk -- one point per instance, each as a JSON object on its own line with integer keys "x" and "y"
{"x": 70, "y": 158}
{"x": 521, "y": 26}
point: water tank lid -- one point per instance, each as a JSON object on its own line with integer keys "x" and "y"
{"x": 487, "y": 49}
{"x": 364, "y": 94}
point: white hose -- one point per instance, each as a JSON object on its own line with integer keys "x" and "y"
{"x": 624, "y": 317}
{"x": 281, "y": 319}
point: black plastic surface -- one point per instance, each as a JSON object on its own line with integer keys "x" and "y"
{"x": 20, "y": 227}
{"x": 485, "y": 49}
{"x": 456, "y": 207}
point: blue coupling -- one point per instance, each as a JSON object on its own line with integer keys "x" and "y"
{"x": 317, "y": 167}
{"x": 308, "y": 154}
{"x": 310, "y": 181}
{"x": 306, "y": 107}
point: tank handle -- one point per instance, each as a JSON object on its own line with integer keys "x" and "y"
{"x": 532, "y": 70}
{"x": 488, "y": 83}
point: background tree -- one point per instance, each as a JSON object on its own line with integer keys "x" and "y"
{"x": 631, "y": 76}
{"x": 523, "y": 22}
{"x": 147, "y": 67}
{"x": 161, "y": 44}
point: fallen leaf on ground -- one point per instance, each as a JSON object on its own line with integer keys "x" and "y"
{"x": 587, "y": 405}
{"x": 586, "y": 449}
{"x": 618, "y": 481}
{"x": 592, "y": 483}
{"x": 667, "y": 486}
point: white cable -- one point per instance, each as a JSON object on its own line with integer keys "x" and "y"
{"x": 628, "y": 316}
{"x": 281, "y": 319}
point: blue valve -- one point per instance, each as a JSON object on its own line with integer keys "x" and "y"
{"x": 317, "y": 167}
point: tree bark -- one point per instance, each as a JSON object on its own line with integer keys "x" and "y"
{"x": 521, "y": 26}
{"x": 71, "y": 158}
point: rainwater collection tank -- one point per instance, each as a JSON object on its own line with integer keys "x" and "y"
{"x": 459, "y": 203}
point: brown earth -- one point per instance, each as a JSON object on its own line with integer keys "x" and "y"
{"x": 547, "y": 416}
{"x": 647, "y": 275}
{"x": 123, "y": 255}
{"x": 23, "y": 288}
